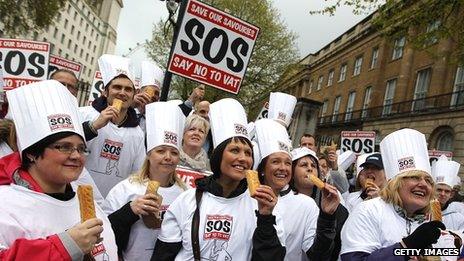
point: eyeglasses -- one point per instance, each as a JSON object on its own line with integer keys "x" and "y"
{"x": 68, "y": 148}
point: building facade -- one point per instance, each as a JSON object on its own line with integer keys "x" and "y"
{"x": 82, "y": 32}
{"x": 367, "y": 82}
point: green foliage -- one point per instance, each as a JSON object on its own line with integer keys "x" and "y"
{"x": 423, "y": 22}
{"x": 274, "y": 51}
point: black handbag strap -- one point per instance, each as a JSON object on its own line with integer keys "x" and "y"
{"x": 195, "y": 227}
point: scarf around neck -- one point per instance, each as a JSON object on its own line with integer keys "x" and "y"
{"x": 199, "y": 163}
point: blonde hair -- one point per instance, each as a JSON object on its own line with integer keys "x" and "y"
{"x": 194, "y": 120}
{"x": 142, "y": 176}
{"x": 390, "y": 193}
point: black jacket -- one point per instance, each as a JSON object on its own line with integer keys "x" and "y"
{"x": 266, "y": 244}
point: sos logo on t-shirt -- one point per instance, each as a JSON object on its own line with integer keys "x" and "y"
{"x": 218, "y": 227}
{"x": 60, "y": 121}
{"x": 111, "y": 149}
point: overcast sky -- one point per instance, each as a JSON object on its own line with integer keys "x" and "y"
{"x": 314, "y": 31}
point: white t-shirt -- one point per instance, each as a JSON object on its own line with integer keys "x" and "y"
{"x": 373, "y": 225}
{"x": 226, "y": 226}
{"x": 299, "y": 215}
{"x": 115, "y": 153}
{"x": 142, "y": 239}
{"x": 453, "y": 219}
{"x": 456, "y": 207}
{"x": 86, "y": 179}
{"x": 32, "y": 215}
{"x": 353, "y": 200}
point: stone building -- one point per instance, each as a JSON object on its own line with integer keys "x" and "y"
{"x": 82, "y": 32}
{"x": 368, "y": 82}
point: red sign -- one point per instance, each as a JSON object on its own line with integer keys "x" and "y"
{"x": 57, "y": 62}
{"x": 23, "y": 61}
{"x": 189, "y": 175}
{"x": 213, "y": 47}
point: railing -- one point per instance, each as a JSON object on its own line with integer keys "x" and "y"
{"x": 434, "y": 104}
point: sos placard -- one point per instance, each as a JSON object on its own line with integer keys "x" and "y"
{"x": 360, "y": 142}
{"x": 263, "y": 113}
{"x": 189, "y": 175}
{"x": 435, "y": 154}
{"x": 23, "y": 61}
{"x": 213, "y": 47}
{"x": 97, "y": 87}
{"x": 57, "y": 62}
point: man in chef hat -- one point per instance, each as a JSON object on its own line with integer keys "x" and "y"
{"x": 151, "y": 81}
{"x": 445, "y": 173}
{"x": 115, "y": 139}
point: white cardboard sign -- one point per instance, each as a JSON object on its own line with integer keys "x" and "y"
{"x": 23, "y": 61}
{"x": 57, "y": 62}
{"x": 359, "y": 142}
{"x": 97, "y": 87}
{"x": 213, "y": 47}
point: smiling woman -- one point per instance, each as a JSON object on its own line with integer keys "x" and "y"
{"x": 219, "y": 220}
{"x": 52, "y": 156}
{"x": 396, "y": 219}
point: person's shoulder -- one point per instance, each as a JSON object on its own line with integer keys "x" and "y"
{"x": 304, "y": 199}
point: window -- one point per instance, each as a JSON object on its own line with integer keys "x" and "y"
{"x": 75, "y": 15}
{"x": 65, "y": 23}
{"x": 445, "y": 141}
{"x": 94, "y": 48}
{"x": 55, "y": 32}
{"x": 357, "y": 66}
{"x": 375, "y": 57}
{"x": 82, "y": 21}
{"x": 336, "y": 108}
{"x": 91, "y": 60}
{"x": 342, "y": 73}
{"x": 319, "y": 82}
{"x": 78, "y": 35}
{"x": 66, "y": 55}
{"x": 330, "y": 77}
{"x": 389, "y": 95}
{"x": 69, "y": 8}
{"x": 349, "y": 106}
{"x": 398, "y": 48}
{"x": 367, "y": 101}
{"x": 431, "y": 32}
{"x": 88, "y": 45}
{"x": 62, "y": 38}
{"x": 87, "y": 57}
{"x": 75, "y": 48}
{"x": 72, "y": 29}
{"x": 458, "y": 92}
{"x": 59, "y": 52}
{"x": 422, "y": 86}
{"x": 36, "y": 35}
{"x": 87, "y": 27}
{"x": 81, "y": 53}
{"x": 92, "y": 32}
{"x": 83, "y": 41}
{"x": 69, "y": 44}
{"x": 324, "y": 110}
{"x": 52, "y": 47}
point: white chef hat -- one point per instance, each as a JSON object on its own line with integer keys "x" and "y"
{"x": 445, "y": 171}
{"x": 176, "y": 102}
{"x": 281, "y": 106}
{"x": 272, "y": 137}
{"x": 228, "y": 119}
{"x": 256, "y": 154}
{"x": 360, "y": 160}
{"x": 165, "y": 125}
{"x": 152, "y": 74}
{"x": 112, "y": 66}
{"x": 301, "y": 152}
{"x": 404, "y": 150}
{"x": 41, "y": 109}
{"x": 345, "y": 159}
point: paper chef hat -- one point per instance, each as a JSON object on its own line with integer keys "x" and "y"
{"x": 272, "y": 137}
{"x": 41, "y": 109}
{"x": 151, "y": 74}
{"x": 256, "y": 155}
{"x": 165, "y": 125}
{"x": 112, "y": 66}
{"x": 404, "y": 150}
{"x": 281, "y": 106}
{"x": 228, "y": 119}
{"x": 360, "y": 160}
{"x": 345, "y": 159}
{"x": 445, "y": 171}
{"x": 301, "y": 152}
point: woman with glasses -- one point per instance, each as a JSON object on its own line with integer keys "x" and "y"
{"x": 398, "y": 218}
{"x": 128, "y": 206}
{"x": 40, "y": 215}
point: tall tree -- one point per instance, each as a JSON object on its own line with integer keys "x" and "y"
{"x": 20, "y": 17}
{"x": 274, "y": 50}
{"x": 422, "y": 22}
